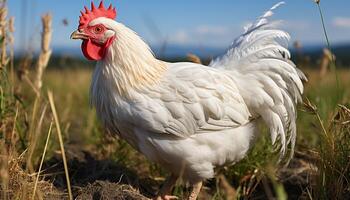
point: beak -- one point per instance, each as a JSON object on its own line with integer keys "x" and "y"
{"x": 76, "y": 35}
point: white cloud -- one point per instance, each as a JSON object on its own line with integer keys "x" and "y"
{"x": 296, "y": 25}
{"x": 180, "y": 37}
{"x": 341, "y": 22}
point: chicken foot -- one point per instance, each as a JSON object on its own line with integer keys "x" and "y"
{"x": 166, "y": 189}
{"x": 196, "y": 188}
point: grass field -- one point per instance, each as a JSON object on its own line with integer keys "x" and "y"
{"x": 53, "y": 147}
{"x": 93, "y": 156}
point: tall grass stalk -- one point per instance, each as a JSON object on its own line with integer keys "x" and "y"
{"x": 332, "y": 179}
{"x": 42, "y": 160}
{"x": 333, "y": 64}
{"x": 5, "y": 148}
{"x": 31, "y": 137}
{"x": 333, "y": 175}
{"x": 13, "y": 131}
{"x": 59, "y": 134}
{"x": 45, "y": 53}
{"x": 41, "y": 65}
{"x": 11, "y": 27}
{"x": 4, "y": 38}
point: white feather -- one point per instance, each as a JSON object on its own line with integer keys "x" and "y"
{"x": 269, "y": 82}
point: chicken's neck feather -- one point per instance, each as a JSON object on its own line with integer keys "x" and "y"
{"x": 130, "y": 62}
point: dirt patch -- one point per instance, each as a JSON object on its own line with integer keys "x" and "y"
{"x": 105, "y": 190}
{"x": 92, "y": 178}
{"x": 21, "y": 185}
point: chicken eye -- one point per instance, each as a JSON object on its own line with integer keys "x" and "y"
{"x": 98, "y": 29}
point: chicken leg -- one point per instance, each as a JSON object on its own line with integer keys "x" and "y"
{"x": 165, "y": 191}
{"x": 196, "y": 188}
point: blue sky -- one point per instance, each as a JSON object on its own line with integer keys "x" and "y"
{"x": 185, "y": 22}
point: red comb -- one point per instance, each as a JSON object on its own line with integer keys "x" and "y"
{"x": 94, "y": 13}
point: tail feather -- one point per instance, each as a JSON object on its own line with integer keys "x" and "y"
{"x": 270, "y": 83}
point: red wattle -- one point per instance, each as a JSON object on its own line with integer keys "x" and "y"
{"x": 92, "y": 51}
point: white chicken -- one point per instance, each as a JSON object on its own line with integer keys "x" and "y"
{"x": 187, "y": 117}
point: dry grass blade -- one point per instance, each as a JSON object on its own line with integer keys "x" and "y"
{"x": 4, "y": 169}
{"x": 41, "y": 65}
{"x": 53, "y": 108}
{"x": 193, "y": 58}
{"x": 13, "y": 132}
{"x": 45, "y": 53}
{"x": 325, "y": 61}
{"x": 42, "y": 160}
{"x": 11, "y": 27}
{"x": 35, "y": 129}
{"x": 3, "y": 36}
{"x": 333, "y": 178}
{"x": 312, "y": 109}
